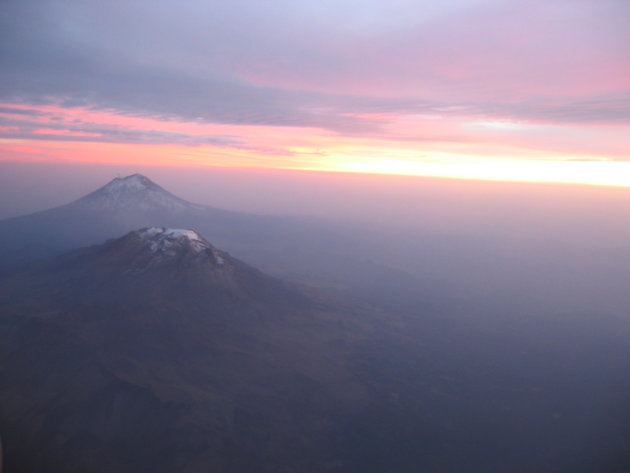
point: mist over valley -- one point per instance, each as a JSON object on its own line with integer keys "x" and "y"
{"x": 407, "y": 338}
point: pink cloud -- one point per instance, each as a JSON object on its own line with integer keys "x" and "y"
{"x": 500, "y": 50}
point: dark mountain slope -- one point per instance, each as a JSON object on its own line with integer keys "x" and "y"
{"x": 157, "y": 352}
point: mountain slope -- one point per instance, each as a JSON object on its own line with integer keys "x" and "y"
{"x": 158, "y": 352}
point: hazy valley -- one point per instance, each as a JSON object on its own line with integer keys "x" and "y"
{"x": 158, "y": 351}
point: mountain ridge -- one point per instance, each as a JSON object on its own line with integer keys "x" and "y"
{"x": 113, "y": 360}
{"x": 189, "y": 344}
{"x": 122, "y": 205}
{"x": 314, "y": 253}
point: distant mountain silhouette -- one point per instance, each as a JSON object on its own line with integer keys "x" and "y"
{"x": 124, "y": 204}
{"x": 296, "y": 248}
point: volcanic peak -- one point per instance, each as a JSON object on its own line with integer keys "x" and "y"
{"x": 161, "y": 240}
{"x": 136, "y": 182}
{"x": 134, "y": 192}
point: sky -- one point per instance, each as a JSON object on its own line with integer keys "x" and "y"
{"x": 483, "y": 89}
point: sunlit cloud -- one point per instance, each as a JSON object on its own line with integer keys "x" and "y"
{"x": 347, "y": 85}
{"x": 571, "y": 171}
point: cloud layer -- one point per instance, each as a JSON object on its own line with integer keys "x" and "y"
{"x": 403, "y": 71}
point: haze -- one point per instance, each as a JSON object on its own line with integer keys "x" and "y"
{"x": 412, "y": 253}
{"x": 565, "y": 245}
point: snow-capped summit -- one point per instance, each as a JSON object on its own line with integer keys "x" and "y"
{"x": 162, "y": 238}
{"x": 167, "y": 243}
{"x": 136, "y": 192}
{"x": 134, "y": 181}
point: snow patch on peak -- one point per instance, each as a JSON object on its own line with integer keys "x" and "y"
{"x": 161, "y": 238}
{"x": 134, "y": 193}
{"x": 169, "y": 240}
{"x": 134, "y": 182}
{"x": 181, "y": 233}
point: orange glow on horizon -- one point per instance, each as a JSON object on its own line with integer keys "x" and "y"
{"x": 424, "y": 145}
{"x": 592, "y": 173}
{"x": 568, "y": 172}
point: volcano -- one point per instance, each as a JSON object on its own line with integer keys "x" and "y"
{"x": 158, "y": 352}
{"x": 306, "y": 251}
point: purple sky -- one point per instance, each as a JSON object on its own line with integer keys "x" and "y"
{"x": 379, "y": 86}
